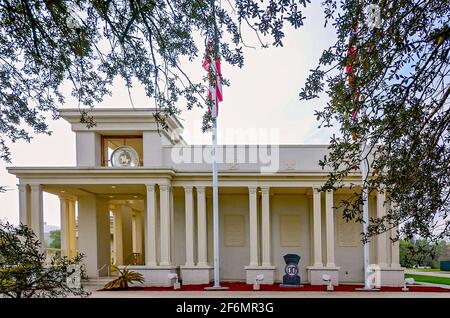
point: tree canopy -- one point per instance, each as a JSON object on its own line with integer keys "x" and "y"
{"x": 55, "y": 239}
{"x": 24, "y": 272}
{"x": 422, "y": 253}
{"x": 396, "y": 101}
{"x": 90, "y": 42}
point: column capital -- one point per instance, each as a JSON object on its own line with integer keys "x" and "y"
{"x": 150, "y": 187}
{"x": 22, "y": 186}
{"x": 36, "y": 187}
{"x": 164, "y": 187}
{"x": 265, "y": 189}
{"x": 316, "y": 188}
{"x": 188, "y": 189}
{"x": 200, "y": 189}
{"x": 252, "y": 189}
{"x": 63, "y": 197}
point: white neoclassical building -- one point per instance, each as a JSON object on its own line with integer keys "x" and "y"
{"x": 157, "y": 190}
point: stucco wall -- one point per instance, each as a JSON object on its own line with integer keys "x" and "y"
{"x": 94, "y": 233}
{"x": 233, "y": 259}
{"x": 88, "y": 144}
{"x": 283, "y": 157}
{"x": 127, "y": 243}
{"x": 179, "y": 233}
{"x": 348, "y": 258}
{"x": 290, "y": 205}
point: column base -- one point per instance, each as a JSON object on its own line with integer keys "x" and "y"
{"x": 389, "y": 277}
{"x": 155, "y": 276}
{"x": 196, "y": 275}
{"x": 315, "y": 275}
{"x": 253, "y": 271}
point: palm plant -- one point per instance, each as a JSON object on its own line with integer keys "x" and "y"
{"x": 125, "y": 277}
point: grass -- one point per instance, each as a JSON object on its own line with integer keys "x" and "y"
{"x": 425, "y": 269}
{"x": 429, "y": 279}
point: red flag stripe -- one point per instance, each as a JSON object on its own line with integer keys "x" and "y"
{"x": 215, "y": 84}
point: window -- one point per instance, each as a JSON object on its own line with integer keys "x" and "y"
{"x": 111, "y": 143}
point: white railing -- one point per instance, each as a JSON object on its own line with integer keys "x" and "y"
{"x": 108, "y": 267}
{"x": 50, "y": 253}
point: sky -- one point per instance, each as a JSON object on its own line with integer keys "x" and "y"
{"x": 263, "y": 94}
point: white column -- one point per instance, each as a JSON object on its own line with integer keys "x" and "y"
{"x": 165, "y": 224}
{"x": 118, "y": 236}
{"x": 150, "y": 247}
{"x": 189, "y": 214}
{"x": 37, "y": 213}
{"x": 317, "y": 227}
{"x": 265, "y": 226}
{"x": 137, "y": 232}
{"x": 64, "y": 207}
{"x": 94, "y": 234}
{"x": 395, "y": 251}
{"x": 329, "y": 215}
{"x": 71, "y": 230}
{"x": 172, "y": 222}
{"x": 395, "y": 248}
{"x": 202, "y": 239}
{"x": 381, "y": 238}
{"x": 24, "y": 206}
{"x": 126, "y": 214}
{"x": 253, "y": 226}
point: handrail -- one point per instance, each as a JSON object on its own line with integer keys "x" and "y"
{"x": 52, "y": 249}
{"x": 108, "y": 266}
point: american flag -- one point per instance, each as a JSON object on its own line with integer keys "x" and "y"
{"x": 214, "y": 78}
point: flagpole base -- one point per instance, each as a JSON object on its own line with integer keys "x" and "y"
{"x": 365, "y": 289}
{"x": 216, "y": 288}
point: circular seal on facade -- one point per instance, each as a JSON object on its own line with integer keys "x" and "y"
{"x": 291, "y": 269}
{"x": 124, "y": 156}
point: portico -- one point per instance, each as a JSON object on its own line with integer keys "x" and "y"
{"x": 161, "y": 209}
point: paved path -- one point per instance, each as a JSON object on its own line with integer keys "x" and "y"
{"x": 436, "y": 274}
{"x": 260, "y": 294}
{"x": 189, "y": 294}
{"x": 433, "y": 285}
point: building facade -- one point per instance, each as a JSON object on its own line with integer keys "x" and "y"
{"x": 157, "y": 190}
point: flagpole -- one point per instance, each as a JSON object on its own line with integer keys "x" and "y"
{"x": 214, "y": 165}
{"x": 364, "y": 166}
{"x": 364, "y": 175}
{"x": 215, "y": 199}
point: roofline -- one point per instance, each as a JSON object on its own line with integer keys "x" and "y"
{"x": 66, "y": 113}
{"x": 258, "y": 145}
{"x": 142, "y": 171}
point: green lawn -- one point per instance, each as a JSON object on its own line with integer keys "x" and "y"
{"x": 425, "y": 269}
{"x": 429, "y": 279}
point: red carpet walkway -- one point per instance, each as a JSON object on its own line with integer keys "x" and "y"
{"x": 308, "y": 288}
